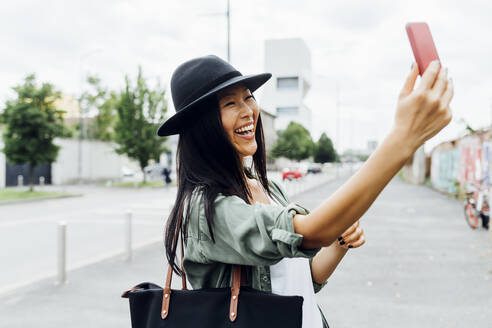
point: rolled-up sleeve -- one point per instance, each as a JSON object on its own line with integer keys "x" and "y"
{"x": 250, "y": 234}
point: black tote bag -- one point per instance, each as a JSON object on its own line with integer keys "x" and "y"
{"x": 151, "y": 306}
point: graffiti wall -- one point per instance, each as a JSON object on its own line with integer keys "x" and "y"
{"x": 461, "y": 162}
{"x": 444, "y": 169}
{"x": 470, "y": 160}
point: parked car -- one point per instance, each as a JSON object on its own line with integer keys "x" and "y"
{"x": 291, "y": 174}
{"x": 127, "y": 172}
{"x": 314, "y": 168}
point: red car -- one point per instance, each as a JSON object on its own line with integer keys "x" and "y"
{"x": 291, "y": 174}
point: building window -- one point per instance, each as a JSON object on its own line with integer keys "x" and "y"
{"x": 287, "y": 82}
{"x": 287, "y": 110}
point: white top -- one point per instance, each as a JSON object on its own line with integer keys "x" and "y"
{"x": 292, "y": 276}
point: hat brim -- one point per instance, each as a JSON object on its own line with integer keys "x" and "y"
{"x": 175, "y": 124}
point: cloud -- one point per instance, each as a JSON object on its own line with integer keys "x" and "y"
{"x": 361, "y": 45}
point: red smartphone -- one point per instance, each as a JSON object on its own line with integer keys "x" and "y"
{"x": 422, "y": 44}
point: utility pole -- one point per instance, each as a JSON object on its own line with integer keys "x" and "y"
{"x": 228, "y": 15}
{"x": 228, "y": 32}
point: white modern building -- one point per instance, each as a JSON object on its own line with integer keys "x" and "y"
{"x": 289, "y": 61}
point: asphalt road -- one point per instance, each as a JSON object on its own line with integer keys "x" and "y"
{"x": 421, "y": 267}
{"x": 95, "y": 229}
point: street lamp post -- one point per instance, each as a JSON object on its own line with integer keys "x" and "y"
{"x": 228, "y": 15}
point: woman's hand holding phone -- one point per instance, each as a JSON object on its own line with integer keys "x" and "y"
{"x": 423, "y": 111}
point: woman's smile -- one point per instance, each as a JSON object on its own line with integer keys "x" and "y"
{"x": 247, "y": 131}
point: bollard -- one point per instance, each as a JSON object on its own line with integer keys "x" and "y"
{"x": 20, "y": 180}
{"x": 41, "y": 181}
{"x": 128, "y": 235}
{"x": 62, "y": 253}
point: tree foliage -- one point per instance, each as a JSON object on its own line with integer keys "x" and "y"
{"x": 324, "y": 151}
{"x": 294, "y": 143}
{"x": 100, "y": 101}
{"x": 140, "y": 110}
{"x": 32, "y": 122}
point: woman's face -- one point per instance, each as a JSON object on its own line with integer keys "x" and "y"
{"x": 239, "y": 112}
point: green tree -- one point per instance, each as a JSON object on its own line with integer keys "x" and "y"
{"x": 324, "y": 151}
{"x": 99, "y": 100}
{"x": 140, "y": 110}
{"x": 294, "y": 143}
{"x": 32, "y": 122}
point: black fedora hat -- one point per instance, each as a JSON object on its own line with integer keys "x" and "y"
{"x": 198, "y": 79}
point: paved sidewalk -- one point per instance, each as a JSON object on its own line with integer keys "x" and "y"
{"x": 91, "y": 297}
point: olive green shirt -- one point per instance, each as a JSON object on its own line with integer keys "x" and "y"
{"x": 253, "y": 235}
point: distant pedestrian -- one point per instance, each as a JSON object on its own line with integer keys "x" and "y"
{"x": 232, "y": 214}
{"x": 167, "y": 176}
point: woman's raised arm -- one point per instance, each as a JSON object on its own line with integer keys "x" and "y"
{"x": 420, "y": 114}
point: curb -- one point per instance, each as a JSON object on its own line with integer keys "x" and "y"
{"x": 40, "y": 199}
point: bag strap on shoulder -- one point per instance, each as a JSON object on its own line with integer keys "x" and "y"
{"x": 166, "y": 297}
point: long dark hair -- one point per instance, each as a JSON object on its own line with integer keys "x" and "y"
{"x": 206, "y": 159}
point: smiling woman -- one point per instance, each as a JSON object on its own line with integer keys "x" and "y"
{"x": 232, "y": 214}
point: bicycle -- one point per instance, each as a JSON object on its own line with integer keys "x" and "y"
{"x": 476, "y": 205}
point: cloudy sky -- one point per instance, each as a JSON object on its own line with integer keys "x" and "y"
{"x": 361, "y": 45}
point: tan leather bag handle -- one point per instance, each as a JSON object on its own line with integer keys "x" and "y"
{"x": 166, "y": 297}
